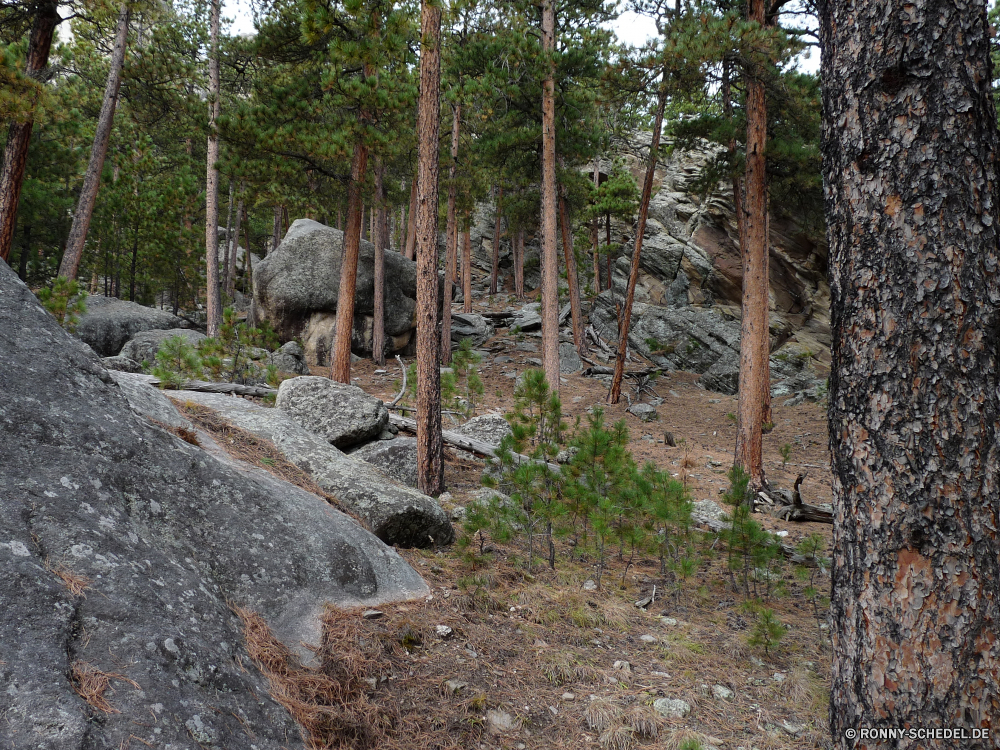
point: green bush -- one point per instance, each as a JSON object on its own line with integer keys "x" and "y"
{"x": 65, "y": 300}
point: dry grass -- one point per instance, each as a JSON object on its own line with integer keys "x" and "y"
{"x": 600, "y": 714}
{"x": 644, "y": 722}
{"x": 618, "y": 738}
{"x": 74, "y": 582}
{"x": 90, "y": 683}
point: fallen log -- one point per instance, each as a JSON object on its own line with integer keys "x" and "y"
{"x": 206, "y": 387}
{"x": 602, "y": 370}
{"x": 793, "y": 509}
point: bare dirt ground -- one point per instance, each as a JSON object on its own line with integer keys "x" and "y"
{"x": 535, "y": 660}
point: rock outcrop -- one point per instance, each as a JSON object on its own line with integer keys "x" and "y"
{"x": 124, "y": 548}
{"x": 144, "y": 345}
{"x": 342, "y": 414}
{"x": 289, "y": 359}
{"x": 394, "y": 458}
{"x": 110, "y": 322}
{"x": 296, "y": 288}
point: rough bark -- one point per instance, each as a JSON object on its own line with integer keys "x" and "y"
{"x": 550, "y": 242}
{"x": 912, "y": 204}
{"x": 430, "y": 448}
{"x": 495, "y": 270}
{"x": 451, "y": 253}
{"x": 15, "y": 156}
{"x": 213, "y": 300}
{"x": 340, "y": 366}
{"x": 625, "y": 319}
{"x": 231, "y": 270}
{"x": 755, "y": 341}
{"x": 467, "y": 267}
{"x": 519, "y": 262}
{"x": 572, "y": 280}
{"x": 411, "y": 225}
{"x": 92, "y": 177}
{"x": 381, "y": 240}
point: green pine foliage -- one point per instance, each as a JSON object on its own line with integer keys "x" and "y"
{"x": 753, "y": 552}
{"x": 65, "y": 300}
{"x": 176, "y": 362}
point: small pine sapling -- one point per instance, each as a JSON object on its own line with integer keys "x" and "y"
{"x": 751, "y": 549}
{"x": 767, "y": 631}
{"x": 813, "y": 567}
{"x": 786, "y": 453}
{"x": 176, "y": 362}
{"x": 65, "y": 300}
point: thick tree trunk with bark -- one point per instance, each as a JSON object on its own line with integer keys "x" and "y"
{"x": 92, "y": 177}
{"x": 411, "y": 224}
{"x": 625, "y": 319}
{"x": 467, "y": 267}
{"x": 572, "y": 280}
{"x": 430, "y": 448}
{"x": 213, "y": 300}
{"x": 550, "y": 241}
{"x": 381, "y": 240}
{"x": 340, "y": 365}
{"x": 755, "y": 340}
{"x": 910, "y": 150}
{"x": 15, "y": 155}
{"x": 451, "y": 253}
{"x": 495, "y": 271}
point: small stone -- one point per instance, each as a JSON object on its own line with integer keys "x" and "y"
{"x": 372, "y": 682}
{"x": 453, "y": 686}
{"x": 643, "y": 603}
{"x": 664, "y": 675}
{"x": 443, "y": 631}
{"x": 554, "y": 710}
{"x": 539, "y": 643}
{"x": 672, "y": 708}
{"x": 793, "y": 729}
{"x": 372, "y": 614}
{"x": 670, "y": 621}
{"x": 781, "y": 533}
{"x": 779, "y": 677}
{"x": 568, "y": 697}
{"x": 647, "y": 638}
{"x": 623, "y": 666}
{"x": 589, "y": 585}
{"x": 499, "y": 721}
{"x": 722, "y": 693}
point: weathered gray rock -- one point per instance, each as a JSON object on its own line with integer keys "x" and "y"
{"x": 528, "y": 318}
{"x": 470, "y": 326}
{"x": 569, "y": 359}
{"x": 144, "y": 345}
{"x": 166, "y": 537}
{"x": 394, "y": 513}
{"x": 147, "y": 401}
{"x": 394, "y": 458}
{"x": 289, "y": 358}
{"x": 302, "y": 278}
{"x": 645, "y": 412}
{"x": 342, "y": 414}
{"x": 672, "y": 708}
{"x": 490, "y": 428}
{"x": 110, "y": 322}
{"x": 121, "y": 364}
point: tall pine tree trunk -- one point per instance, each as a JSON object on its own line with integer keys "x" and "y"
{"x": 381, "y": 240}
{"x": 572, "y": 279}
{"x": 910, "y": 151}
{"x": 467, "y": 267}
{"x": 230, "y": 248}
{"x": 15, "y": 155}
{"x": 430, "y": 445}
{"x": 92, "y": 177}
{"x": 625, "y": 319}
{"x": 411, "y": 223}
{"x": 550, "y": 242}
{"x": 755, "y": 340}
{"x": 451, "y": 252}
{"x": 213, "y": 299}
{"x": 231, "y": 270}
{"x": 340, "y": 366}
{"x": 495, "y": 271}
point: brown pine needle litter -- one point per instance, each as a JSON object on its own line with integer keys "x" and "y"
{"x": 74, "y": 582}
{"x": 90, "y": 683}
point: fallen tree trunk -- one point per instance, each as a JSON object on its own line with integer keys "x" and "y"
{"x": 601, "y": 370}
{"x": 793, "y": 509}
{"x": 205, "y": 387}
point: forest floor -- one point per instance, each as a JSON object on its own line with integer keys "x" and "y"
{"x": 535, "y": 660}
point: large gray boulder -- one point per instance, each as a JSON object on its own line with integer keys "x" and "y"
{"x": 394, "y": 458}
{"x": 394, "y": 513}
{"x": 166, "y": 538}
{"x": 289, "y": 358}
{"x": 490, "y": 428}
{"x": 342, "y": 414}
{"x": 470, "y": 326}
{"x": 301, "y": 279}
{"x": 144, "y": 345}
{"x": 110, "y": 322}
